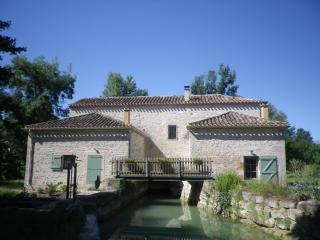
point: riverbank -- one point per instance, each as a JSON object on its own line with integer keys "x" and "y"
{"x": 285, "y": 218}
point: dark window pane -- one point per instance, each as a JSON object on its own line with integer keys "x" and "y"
{"x": 68, "y": 159}
{"x": 172, "y": 132}
{"x": 250, "y": 167}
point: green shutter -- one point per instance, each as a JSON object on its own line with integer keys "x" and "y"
{"x": 56, "y": 163}
{"x": 94, "y": 168}
{"x": 268, "y": 168}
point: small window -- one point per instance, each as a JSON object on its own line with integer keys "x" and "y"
{"x": 250, "y": 167}
{"x": 172, "y": 132}
{"x": 67, "y": 159}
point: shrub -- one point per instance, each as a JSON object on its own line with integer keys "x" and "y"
{"x": 162, "y": 160}
{"x": 63, "y": 188}
{"x": 311, "y": 174}
{"x": 52, "y": 188}
{"x": 266, "y": 188}
{"x": 296, "y": 165}
{"x": 305, "y": 191}
{"x": 41, "y": 190}
{"x": 197, "y": 161}
{"x": 130, "y": 160}
{"x": 227, "y": 181}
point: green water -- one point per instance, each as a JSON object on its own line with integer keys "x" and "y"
{"x": 165, "y": 218}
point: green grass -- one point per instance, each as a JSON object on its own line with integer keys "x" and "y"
{"x": 266, "y": 188}
{"x": 11, "y": 188}
{"x": 16, "y": 183}
{"x": 5, "y": 192}
{"x": 310, "y": 174}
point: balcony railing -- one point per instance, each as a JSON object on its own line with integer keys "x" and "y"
{"x": 170, "y": 168}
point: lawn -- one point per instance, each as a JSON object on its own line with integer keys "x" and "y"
{"x": 11, "y": 188}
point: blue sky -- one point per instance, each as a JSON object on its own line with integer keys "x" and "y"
{"x": 273, "y": 45}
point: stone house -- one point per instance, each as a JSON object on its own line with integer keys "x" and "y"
{"x": 233, "y": 131}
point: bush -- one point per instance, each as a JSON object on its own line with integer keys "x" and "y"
{"x": 305, "y": 191}
{"x": 63, "y": 188}
{"x": 52, "y": 188}
{"x": 227, "y": 181}
{"x": 266, "y": 188}
{"x": 197, "y": 161}
{"x": 162, "y": 160}
{"x": 41, "y": 190}
{"x": 296, "y": 165}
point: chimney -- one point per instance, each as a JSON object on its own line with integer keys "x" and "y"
{"x": 126, "y": 116}
{"x": 264, "y": 111}
{"x": 186, "y": 93}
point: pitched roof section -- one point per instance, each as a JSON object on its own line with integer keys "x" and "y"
{"x": 237, "y": 120}
{"x": 161, "y": 101}
{"x": 87, "y": 121}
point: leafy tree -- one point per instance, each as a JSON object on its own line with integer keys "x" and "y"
{"x": 299, "y": 142}
{"x": 7, "y": 46}
{"x": 275, "y": 114}
{"x": 118, "y": 86}
{"x": 35, "y": 92}
{"x": 207, "y": 84}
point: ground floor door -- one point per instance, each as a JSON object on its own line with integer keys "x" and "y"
{"x": 94, "y": 168}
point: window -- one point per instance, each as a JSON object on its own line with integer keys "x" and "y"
{"x": 67, "y": 159}
{"x": 250, "y": 167}
{"x": 172, "y": 132}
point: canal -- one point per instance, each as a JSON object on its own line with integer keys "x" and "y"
{"x": 159, "y": 217}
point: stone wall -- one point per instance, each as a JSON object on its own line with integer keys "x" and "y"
{"x": 153, "y": 122}
{"x": 229, "y": 147}
{"x": 43, "y": 145}
{"x": 284, "y": 218}
{"x": 137, "y": 145}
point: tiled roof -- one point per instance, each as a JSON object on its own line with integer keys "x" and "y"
{"x": 237, "y": 120}
{"x": 87, "y": 121}
{"x": 161, "y": 100}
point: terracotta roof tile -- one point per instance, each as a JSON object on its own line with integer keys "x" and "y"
{"x": 87, "y": 121}
{"x": 161, "y": 100}
{"x": 237, "y": 120}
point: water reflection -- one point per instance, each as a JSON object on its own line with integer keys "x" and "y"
{"x": 166, "y": 219}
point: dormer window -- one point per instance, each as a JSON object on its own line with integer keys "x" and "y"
{"x": 172, "y": 132}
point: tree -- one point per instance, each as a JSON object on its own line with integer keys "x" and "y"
{"x": 36, "y": 91}
{"x": 118, "y": 86}
{"x": 299, "y": 142}
{"x": 7, "y": 46}
{"x": 275, "y": 114}
{"x": 207, "y": 84}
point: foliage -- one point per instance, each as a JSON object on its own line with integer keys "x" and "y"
{"x": 41, "y": 190}
{"x": 162, "y": 160}
{"x": 296, "y": 165}
{"x": 309, "y": 174}
{"x": 197, "y": 161}
{"x": 35, "y": 92}
{"x": 63, "y": 188}
{"x": 5, "y": 192}
{"x": 207, "y": 84}
{"x": 306, "y": 191}
{"x": 224, "y": 184}
{"x": 52, "y": 188}
{"x": 130, "y": 160}
{"x": 265, "y": 188}
{"x": 118, "y": 86}
{"x": 227, "y": 181}
{"x": 299, "y": 142}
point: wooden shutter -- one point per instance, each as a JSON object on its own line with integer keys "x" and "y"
{"x": 93, "y": 168}
{"x": 268, "y": 168}
{"x": 56, "y": 163}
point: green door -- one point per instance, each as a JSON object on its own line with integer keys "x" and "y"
{"x": 94, "y": 168}
{"x": 269, "y": 168}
